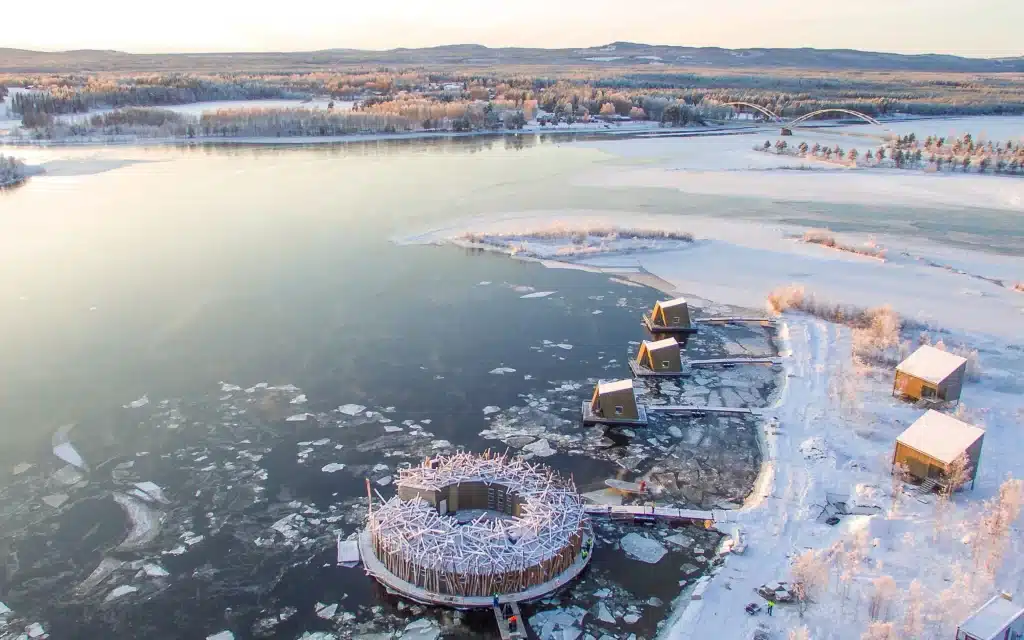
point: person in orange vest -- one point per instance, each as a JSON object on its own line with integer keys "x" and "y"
{"x": 512, "y": 622}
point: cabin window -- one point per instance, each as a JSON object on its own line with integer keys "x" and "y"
{"x": 675, "y": 320}
{"x": 664, "y": 364}
{"x": 618, "y": 409}
{"x": 927, "y": 392}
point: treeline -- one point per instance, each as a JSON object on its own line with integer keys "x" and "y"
{"x": 36, "y": 107}
{"x": 907, "y": 152}
{"x": 12, "y": 171}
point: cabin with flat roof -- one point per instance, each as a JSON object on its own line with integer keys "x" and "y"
{"x": 614, "y": 403}
{"x": 998, "y": 619}
{"x": 931, "y": 374}
{"x": 670, "y": 316}
{"x": 935, "y": 440}
{"x": 658, "y": 358}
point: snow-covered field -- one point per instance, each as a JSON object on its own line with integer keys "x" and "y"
{"x": 834, "y": 422}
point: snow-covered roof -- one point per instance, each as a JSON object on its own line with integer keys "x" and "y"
{"x": 931, "y": 364}
{"x": 940, "y": 436}
{"x": 991, "y": 620}
{"x": 672, "y": 303}
{"x": 661, "y": 344}
{"x": 611, "y": 387}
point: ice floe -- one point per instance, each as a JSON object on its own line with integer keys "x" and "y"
{"x": 35, "y": 630}
{"x": 55, "y": 500}
{"x": 135, "y": 404}
{"x": 643, "y": 548}
{"x": 326, "y": 611}
{"x": 63, "y": 449}
{"x": 422, "y": 629}
{"x": 119, "y": 592}
{"x": 21, "y": 468}
{"x": 538, "y": 294}
{"x": 221, "y": 635}
{"x": 299, "y": 399}
{"x": 351, "y": 409}
{"x": 541, "y": 448}
{"x": 502, "y": 371}
{"x": 152, "y": 491}
{"x": 298, "y": 417}
{"x": 603, "y": 614}
{"x": 143, "y": 520}
{"x": 489, "y": 409}
{"x": 558, "y": 624}
{"x": 154, "y": 570}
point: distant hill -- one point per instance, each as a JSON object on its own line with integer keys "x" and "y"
{"x": 615, "y": 55}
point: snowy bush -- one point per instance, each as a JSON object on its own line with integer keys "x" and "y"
{"x": 12, "y": 171}
{"x": 825, "y": 238}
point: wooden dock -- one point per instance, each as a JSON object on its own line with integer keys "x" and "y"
{"x": 590, "y": 418}
{"x": 511, "y": 609}
{"x": 697, "y": 410}
{"x": 725, "y": 362}
{"x": 644, "y": 372}
{"x": 735, "y": 320}
{"x": 650, "y": 513}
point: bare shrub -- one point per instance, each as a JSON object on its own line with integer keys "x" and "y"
{"x": 825, "y": 238}
{"x": 879, "y": 631}
{"x": 967, "y": 353}
{"x": 810, "y": 575}
{"x": 993, "y": 534}
{"x": 1018, "y": 286}
{"x": 800, "y": 633}
{"x": 913, "y": 611}
{"x": 882, "y": 594}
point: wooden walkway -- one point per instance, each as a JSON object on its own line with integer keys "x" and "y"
{"x": 653, "y": 514}
{"x": 644, "y": 372}
{"x": 718, "y": 362}
{"x": 590, "y": 418}
{"x": 502, "y": 613}
{"x": 738, "y": 320}
{"x": 671, "y": 408}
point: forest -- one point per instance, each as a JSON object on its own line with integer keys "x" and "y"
{"x": 674, "y": 97}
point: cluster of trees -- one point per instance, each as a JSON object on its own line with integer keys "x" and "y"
{"x": 906, "y": 152}
{"x": 12, "y": 171}
{"x": 39, "y": 106}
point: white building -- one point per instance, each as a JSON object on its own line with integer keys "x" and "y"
{"x": 998, "y": 619}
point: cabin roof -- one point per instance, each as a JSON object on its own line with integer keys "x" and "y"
{"x": 661, "y": 344}
{"x": 940, "y": 436}
{"x": 991, "y": 618}
{"x": 668, "y": 304}
{"x": 931, "y": 364}
{"x": 617, "y": 385}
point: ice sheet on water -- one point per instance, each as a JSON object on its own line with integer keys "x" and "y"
{"x": 326, "y": 611}
{"x": 541, "y": 448}
{"x": 500, "y": 371}
{"x": 34, "y": 630}
{"x": 298, "y": 417}
{"x": 630, "y": 618}
{"x": 154, "y": 570}
{"x": 135, "y": 404}
{"x": 221, "y": 635}
{"x": 603, "y": 614}
{"x": 55, "y": 500}
{"x": 422, "y": 629}
{"x": 118, "y": 592}
{"x": 63, "y": 449}
{"x": 558, "y": 624}
{"x": 4, "y": 609}
{"x": 564, "y": 345}
{"x": 643, "y": 548}
{"x": 144, "y": 522}
{"x": 299, "y": 399}
{"x": 489, "y": 409}
{"x": 153, "y": 491}
{"x": 225, "y": 387}
{"x": 538, "y": 294}
{"x": 21, "y": 468}
{"x": 351, "y": 409}
{"x": 318, "y": 635}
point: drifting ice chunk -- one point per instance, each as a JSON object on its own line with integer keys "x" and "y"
{"x": 225, "y": 387}
{"x": 385, "y": 481}
{"x": 538, "y": 294}
{"x": 21, "y": 468}
{"x": 4, "y": 609}
{"x": 155, "y": 571}
{"x": 331, "y": 468}
{"x": 630, "y": 618}
{"x": 145, "y": 523}
{"x": 422, "y": 629}
{"x": 299, "y": 399}
{"x": 56, "y": 500}
{"x": 123, "y": 590}
{"x": 603, "y": 614}
{"x": 541, "y": 448}
{"x": 298, "y": 417}
{"x": 318, "y": 635}
{"x": 564, "y": 345}
{"x": 643, "y": 548}
{"x": 326, "y": 611}
{"x": 502, "y": 371}
{"x": 62, "y": 447}
{"x": 135, "y": 404}
{"x": 221, "y": 635}
{"x": 34, "y": 630}
{"x": 153, "y": 491}
{"x": 351, "y": 409}
{"x": 489, "y": 409}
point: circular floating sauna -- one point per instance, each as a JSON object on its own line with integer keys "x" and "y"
{"x": 465, "y": 527}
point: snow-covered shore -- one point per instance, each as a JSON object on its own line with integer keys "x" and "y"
{"x": 834, "y": 421}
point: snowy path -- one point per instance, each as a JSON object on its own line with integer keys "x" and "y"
{"x": 775, "y": 517}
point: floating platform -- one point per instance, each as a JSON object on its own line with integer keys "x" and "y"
{"x": 396, "y": 585}
{"x": 643, "y": 372}
{"x": 725, "y": 362}
{"x": 590, "y": 418}
{"x": 503, "y": 628}
{"x": 648, "y": 513}
{"x": 657, "y": 328}
{"x": 693, "y": 409}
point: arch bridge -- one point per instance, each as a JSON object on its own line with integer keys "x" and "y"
{"x": 796, "y": 122}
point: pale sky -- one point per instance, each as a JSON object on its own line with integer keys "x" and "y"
{"x": 963, "y": 27}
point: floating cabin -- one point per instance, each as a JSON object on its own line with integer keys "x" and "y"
{"x": 614, "y": 403}
{"x": 930, "y": 374}
{"x": 997, "y": 619}
{"x": 465, "y": 528}
{"x": 661, "y": 358}
{"x": 935, "y": 440}
{"x": 671, "y": 316}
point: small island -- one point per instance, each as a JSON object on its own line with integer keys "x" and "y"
{"x": 12, "y": 171}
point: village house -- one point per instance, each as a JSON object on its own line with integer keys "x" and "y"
{"x": 669, "y": 316}
{"x": 662, "y": 357}
{"x": 614, "y": 403}
{"x": 933, "y": 443}
{"x": 997, "y": 619}
{"x": 931, "y": 374}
